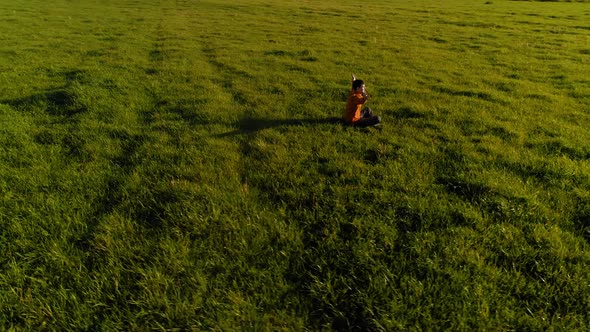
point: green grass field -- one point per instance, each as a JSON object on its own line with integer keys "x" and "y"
{"x": 176, "y": 165}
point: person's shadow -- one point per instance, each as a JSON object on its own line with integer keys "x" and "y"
{"x": 252, "y": 125}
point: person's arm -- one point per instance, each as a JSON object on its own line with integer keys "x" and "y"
{"x": 360, "y": 100}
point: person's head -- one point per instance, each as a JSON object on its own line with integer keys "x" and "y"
{"x": 358, "y": 86}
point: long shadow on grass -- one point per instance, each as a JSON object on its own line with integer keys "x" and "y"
{"x": 59, "y": 102}
{"x": 252, "y": 125}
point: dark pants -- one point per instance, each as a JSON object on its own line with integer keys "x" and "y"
{"x": 367, "y": 118}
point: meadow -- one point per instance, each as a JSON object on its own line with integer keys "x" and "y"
{"x": 179, "y": 165}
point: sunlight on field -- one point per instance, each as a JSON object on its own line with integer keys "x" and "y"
{"x": 180, "y": 165}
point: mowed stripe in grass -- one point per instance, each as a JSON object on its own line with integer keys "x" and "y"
{"x": 177, "y": 164}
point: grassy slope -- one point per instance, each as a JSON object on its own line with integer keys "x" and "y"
{"x": 173, "y": 164}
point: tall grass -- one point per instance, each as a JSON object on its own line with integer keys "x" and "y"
{"x": 179, "y": 165}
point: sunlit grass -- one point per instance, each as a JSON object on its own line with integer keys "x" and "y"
{"x": 179, "y": 165}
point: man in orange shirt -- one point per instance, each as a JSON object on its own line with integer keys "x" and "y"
{"x": 354, "y": 113}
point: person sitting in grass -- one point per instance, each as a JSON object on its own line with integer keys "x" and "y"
{"x": 354, "y": 113}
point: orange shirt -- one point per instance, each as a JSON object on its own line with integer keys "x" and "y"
{"x": 354, "y": 103}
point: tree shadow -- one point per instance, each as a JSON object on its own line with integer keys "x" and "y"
{"x": 253, "y": 125}
{"x": 59, "y": 102}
